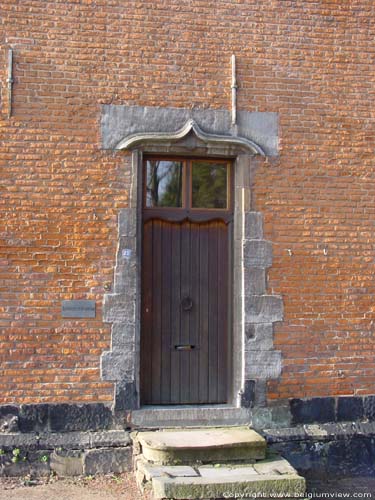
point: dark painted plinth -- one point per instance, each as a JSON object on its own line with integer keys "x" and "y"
{"x": 55, "y": 417}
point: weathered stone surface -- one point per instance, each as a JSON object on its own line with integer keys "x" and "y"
{"x": 262, "y": 364}
{"x": 239, "y": 486}
{"x": 9, "y": 419}
{"x": 34, "y": 463}
{"x": 9, "y": 423}
{"x": 274, "y": 466}
{"x": 150, "y": 470}
{"x": 23, "y": 469}
{"x": 120, "y": 121}
{"x": 126, "y": 396}
{"x": 349, "y": 408}
{"x": 86, "y": 417}
{"x": 190, "y": 417}
{"x": 263, "y": 309}
{"x": 127, "y": 222}
{"x": 126, "y": 275}
{"x": 254, "y": 281}
{"x": 67, "y": 464}
{"x": 119, "y": 308}
{"x": 123, "y": 334}
{"x": 115, "y": 438}
{"x": 118, "y": 365}
{"x": 253, "y": 225}
{"x": 19, "y": 440}
{"x": 107, "y": 460}
{"x": 248, "y": 394}
{"x": 271, "y": 417}
{"x": 257, "y": 253}
{"x": 369, "y": 407}
{"x": 33, "y": 417}
{"x": 243, "y": 172}
{"x": 312, "y": 410}
{"x": 66, "y": 440}
{"x": 227, "y": 471}
{"x": 242, "y": 202}
{"x": 258, "y": 336}
{"x": 186, "y": 446}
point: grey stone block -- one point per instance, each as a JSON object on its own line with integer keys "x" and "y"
{"x": 114, "y": 438}
{"x": 125, "y": 280}
{"x": 18, "y": 440}
{"x": 127, "y": 222}
{"x": 254, "y": 281}
{"x": 35, "y": 465}
{"x": 119, "y": 308}
{"x": 67, "y": 464}
{"x": 190, "y": 417}
{"x": 107, "y": 460}
{"x": 118, "y": 365}
{"x": 83, "y": 440}
{"x": 271, "y": 417}
{"x": 253, "y": 225}
{"x": 260, "y": 398}
{"x": 79, "y": 417}
{"x": 66, "y": 440}
{"x": 262, "y": 364}
{"x": 263, "y": 309}
{"x": 123, "y": 334}
{"x": 242, "y": 200}
{"x": 33, "y": 417}
{"x": 129, "y": 244}
{"x": 126, "y": 396}
{"x": 242, "y": 178}
{"x": 258, "y": 336}
{"x": 257, "y": 253}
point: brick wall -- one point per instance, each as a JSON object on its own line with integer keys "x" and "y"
{"x": 312, "y": 62}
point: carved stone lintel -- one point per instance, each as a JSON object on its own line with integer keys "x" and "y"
{"x": 142, "y": 138}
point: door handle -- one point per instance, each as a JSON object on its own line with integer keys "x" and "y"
{"x": 186, "y": 303}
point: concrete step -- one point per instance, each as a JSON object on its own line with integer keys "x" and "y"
{"x": 170, "y": 447}
{"x": 274, "y": 477}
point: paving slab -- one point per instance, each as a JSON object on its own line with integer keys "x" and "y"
{"x": 227, "y": 472}
{"x": 238, "y": 486}
{"x": 150, "y": 470}
{"x": 274, "y": 466}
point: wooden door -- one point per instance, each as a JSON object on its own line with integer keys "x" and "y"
{"x": 185, "y": 335}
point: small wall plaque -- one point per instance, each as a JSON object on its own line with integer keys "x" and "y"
{"x": 127, "y": 253}
{"x": 78, "y": 309}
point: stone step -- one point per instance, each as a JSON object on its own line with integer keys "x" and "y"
{"x": 273, "y": 477}
{"x": 202, "y": 445}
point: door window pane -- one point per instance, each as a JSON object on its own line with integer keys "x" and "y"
{"x": 164, "y": 183}
{"x": 209, "y": 185}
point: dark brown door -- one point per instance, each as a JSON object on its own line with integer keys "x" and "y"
{"x": 185, "y": 338}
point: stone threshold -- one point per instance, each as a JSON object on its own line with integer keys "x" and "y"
{"x": 154, "y": 417}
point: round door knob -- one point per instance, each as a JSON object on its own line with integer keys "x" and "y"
{"x": 187, "y": 304}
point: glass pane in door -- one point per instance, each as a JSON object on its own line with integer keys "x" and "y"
{"x": 209, "y": 185}
{"x": 163, "y": 183}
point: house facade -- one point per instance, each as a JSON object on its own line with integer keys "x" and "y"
{"x": 187, "y": 212}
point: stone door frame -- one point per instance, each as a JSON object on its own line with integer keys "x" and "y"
{"x": 254, "y": 311}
